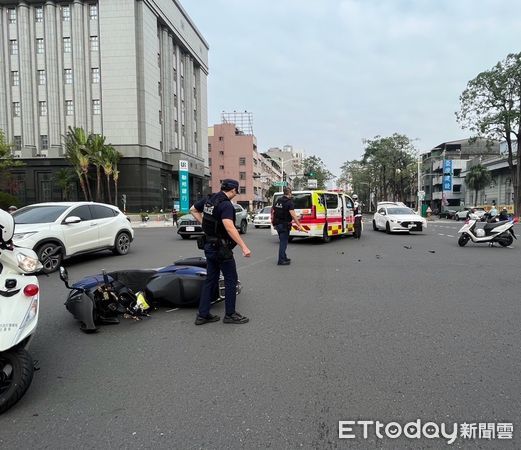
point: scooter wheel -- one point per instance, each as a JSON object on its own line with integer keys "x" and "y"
{"x": 463, "y": 239}
{"x": 16, "y": 374}
{"x": 508, "y": 240}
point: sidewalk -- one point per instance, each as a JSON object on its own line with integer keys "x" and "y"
{"x": 154, "y": 221}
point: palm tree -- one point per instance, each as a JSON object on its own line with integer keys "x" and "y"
{"x": 115, "y": 175}
{"x": 477, "y": 179}
{"x": 107, "y": 157}
{"x": 74, "y": 139}
{"x": 64, "y": 178}
{"x": 95, "y": 147}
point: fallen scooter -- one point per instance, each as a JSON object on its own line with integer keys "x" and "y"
{"x": 19, "y": 301}
{"x": 103, "y": 299}
{"x": 487, "y": 232}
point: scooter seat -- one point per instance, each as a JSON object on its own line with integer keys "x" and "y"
{"x": 491, "y": 226}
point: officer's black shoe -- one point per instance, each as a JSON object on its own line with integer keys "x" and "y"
{"x": 209, "y": 318}
{"x": 235, "y": 318}
{"x": 288, "y": 259}
{"x": 284, "y": 263}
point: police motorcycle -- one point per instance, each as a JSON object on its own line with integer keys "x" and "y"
{"x": 487, "y": 230}
{"x": 19, "y": 302}
{"x": 102, "y": 299}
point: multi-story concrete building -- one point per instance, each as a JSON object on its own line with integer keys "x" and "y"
{"x": 233, "y": 154}
{"x": 291, "y": 160}
{"x": 434, "y": 173}
{"x": 134, "y": 71}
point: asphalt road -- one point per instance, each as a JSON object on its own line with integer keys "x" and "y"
{"x": 389, "y": 328}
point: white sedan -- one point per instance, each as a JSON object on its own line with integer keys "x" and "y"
{"x": 397, "y": 218}
{"x": 263, "y": 218}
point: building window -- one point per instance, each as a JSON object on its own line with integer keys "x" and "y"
{"x": 93, "y": 12}
{"x": 39, "y": 45}
{"x": 242, "y": 175}
{"x": 66, "y": 13}
{"x": 242, "y": 161}
{"x": 15, "y": 78}
{"x": 44, "y": 142}
{"x": 41, "y": 77}
{"x": 210, "y": 162}
{"x": 221, "y": 167}
{"x": 18, "y": 142}
{"x": 43, "y": 108}
{"x": 67, "y": 75}
{"x": 69, "y": 107}
{"x": 176, "y": 126}
{"x": 94, "y": 43}
{"x": 159, "y": 88}
{"x": 221, "y": 152}
{"x": 209, "y": 148}
{"x": 221, "y": 138}
{"x": 38, "y": 14}
{"x": 16, "y": 109}
{"x": 13, "y": 47}
{"x": 12, "y": 15}
{"x": 95, "y": 75}
{"x": 67, "y": 47}
{"x": 242, "y": 190}
{"x": 160, "y": 117}
{"x": 96, "y": 107}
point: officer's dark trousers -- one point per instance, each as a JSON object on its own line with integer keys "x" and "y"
{"x": 211, "y": 284}
{"x": 283, "y": 231}
{"x": 358, "y": 227}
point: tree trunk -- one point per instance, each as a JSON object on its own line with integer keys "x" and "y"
{"x": 109, "y": 194}
{"x": 82, "y": 184}
{"x": 88, "y": 186}
{"x": 98, "y": 183}
{"x": 115, "y": 193}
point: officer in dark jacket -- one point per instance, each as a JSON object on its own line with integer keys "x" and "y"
{"x": 217, "y": 215}
{"x": 283, "y": 212}
{"x": 357, "y": 212}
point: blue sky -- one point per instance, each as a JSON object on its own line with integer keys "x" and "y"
{"x": 322, "y": 75}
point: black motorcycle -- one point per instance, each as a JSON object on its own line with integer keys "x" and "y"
{"x": 103, "y": 299}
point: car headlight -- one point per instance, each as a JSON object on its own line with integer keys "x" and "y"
{"x": 20, "y": 236}
{"x": 28, "y": 263}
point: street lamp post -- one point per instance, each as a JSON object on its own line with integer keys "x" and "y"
{"x": 282, "y": 169}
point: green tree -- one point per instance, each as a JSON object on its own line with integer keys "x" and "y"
{"x": 270, "y": 192}
{"x": 390, "y": 163}
{"x": 490, "y": 106}
{"x": 95, "y": 148}
{"x": 6, "y": 159}
{"x": 76, "y": 153}
{"x": 477, "y": 179}
{"x": 64, "y": 178}
{"x": 315, "y": 169}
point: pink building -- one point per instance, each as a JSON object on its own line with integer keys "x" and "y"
{"x": 233, "y": 154}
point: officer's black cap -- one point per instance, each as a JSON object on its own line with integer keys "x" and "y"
{"x": 229, "y": 184}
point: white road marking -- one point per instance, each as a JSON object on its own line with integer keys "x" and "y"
{"x": 441, "y": 234}
{"x": 450, "y": 235}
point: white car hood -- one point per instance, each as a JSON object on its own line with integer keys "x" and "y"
{"x": 406, "y": 217}
{"x": 30, "y": 227}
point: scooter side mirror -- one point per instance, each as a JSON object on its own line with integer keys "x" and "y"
{"x": 64, "y": 275}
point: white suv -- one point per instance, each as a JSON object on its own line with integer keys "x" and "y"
{"x": 63, "y": 229}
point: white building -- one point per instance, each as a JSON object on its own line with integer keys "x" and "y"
{"x": 132, "y": 70}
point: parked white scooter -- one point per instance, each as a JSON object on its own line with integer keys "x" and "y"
{"x": 19, "y": 298}
{"x": 485, "y": 232}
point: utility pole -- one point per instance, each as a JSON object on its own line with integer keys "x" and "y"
{"x": 419, "y": 185}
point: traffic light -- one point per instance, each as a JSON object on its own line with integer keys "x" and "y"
{"x": 310, "y": 174}
{"x": 284, "y": 176}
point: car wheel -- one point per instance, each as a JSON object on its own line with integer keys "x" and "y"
{"x": 185, "y": 236}
{"x": 256, "y": 226}
{"x": 387, "y": 228}
{"x": 244, "y": 227}
{"x": 375, "y": 228}
{"x": 122, "y": 244}
{"x": 50, "y": 255}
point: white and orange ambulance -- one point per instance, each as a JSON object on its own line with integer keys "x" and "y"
{"x": 324, "y": 214}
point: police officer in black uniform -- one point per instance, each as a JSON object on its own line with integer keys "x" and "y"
{"x": 283, "y": 215}
{"x": 217, "y": 216}
{"x": 357, "y": 211}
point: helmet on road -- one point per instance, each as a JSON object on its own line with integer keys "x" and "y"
{"x": 6, "y": 226}
{"x": 355, "y": 197}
